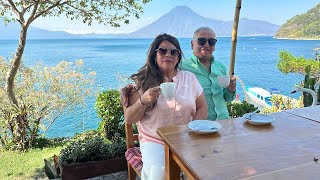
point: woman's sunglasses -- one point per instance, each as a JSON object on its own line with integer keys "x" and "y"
{"x": 163, "y": 51}
{"x": 211, "y": 41}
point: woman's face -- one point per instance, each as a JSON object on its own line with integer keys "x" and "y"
{"x": 167, "y": 56}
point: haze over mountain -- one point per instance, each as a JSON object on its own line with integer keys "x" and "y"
{"x": 181, "y": 21}
{"x": 304, "y": 26}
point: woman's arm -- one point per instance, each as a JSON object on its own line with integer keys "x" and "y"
{"x": 135, "y": 111}
{"x": 201, "y": 108}
{"x": 138, "y": 104}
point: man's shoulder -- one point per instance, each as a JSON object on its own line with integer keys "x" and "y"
{"x": 187, "y": 64}
{"x": 219, "y": 63}
{"x": 187, "y": 61}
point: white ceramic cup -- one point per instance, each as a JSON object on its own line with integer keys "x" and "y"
{"x": 224, "y": 80}
{"x": 168, "y": 89}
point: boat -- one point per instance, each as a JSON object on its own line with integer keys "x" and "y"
{"x": 262, "y": 97}
{"x": 259, "y": 96}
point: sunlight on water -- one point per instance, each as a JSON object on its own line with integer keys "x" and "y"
{"x": 256, "y": 60}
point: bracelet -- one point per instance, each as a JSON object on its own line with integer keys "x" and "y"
{"x": 140, "y": 102}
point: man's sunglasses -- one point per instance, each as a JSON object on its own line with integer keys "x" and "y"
{"x": 163, "y": 51}
{"x": 211, "y": 41}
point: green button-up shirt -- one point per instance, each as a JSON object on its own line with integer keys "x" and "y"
{"x": 216, "y": 96}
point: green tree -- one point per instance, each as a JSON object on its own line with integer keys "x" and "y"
{"x": 44, "y": 94}
{"x": 26, "y": 11}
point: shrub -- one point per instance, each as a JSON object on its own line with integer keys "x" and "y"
{"x": 280, "y": 103}
{"x": 110, "y": 110}
{"x": 92, "y": 149}
{"x": 238, "y": 109}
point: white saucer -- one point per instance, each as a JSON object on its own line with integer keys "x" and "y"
{"x": 204, "y": 126}
{"x": 258, "y": 119}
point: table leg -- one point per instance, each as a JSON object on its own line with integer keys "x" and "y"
{"x": 172, "y": 168}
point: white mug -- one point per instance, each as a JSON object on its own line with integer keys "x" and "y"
{"x": 224, "y": 80}
{"x": 168, "y": 89}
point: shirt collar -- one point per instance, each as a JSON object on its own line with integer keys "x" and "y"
{"x": 176, "y": 77}
{"x": 195, "y": 59}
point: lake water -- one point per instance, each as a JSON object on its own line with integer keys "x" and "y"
{"x": 256, "y": 60}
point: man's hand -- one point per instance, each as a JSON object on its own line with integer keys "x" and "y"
{"x": 232, "y": 85}
{"x": 124, "y": 94}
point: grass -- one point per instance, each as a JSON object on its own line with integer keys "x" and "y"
{"x": 15, "y": 165}
{"x": 25, "y": 165}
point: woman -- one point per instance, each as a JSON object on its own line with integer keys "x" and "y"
{"x": 151, "y": 110}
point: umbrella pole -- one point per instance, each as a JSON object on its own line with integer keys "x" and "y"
{"x": 234, "y": 37}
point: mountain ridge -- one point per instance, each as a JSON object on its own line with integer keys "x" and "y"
{"x": 180, "y": 22}
{"x": 304, "y": 26}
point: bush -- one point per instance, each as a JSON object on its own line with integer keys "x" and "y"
{"x": 92, "y": 149}
{"x": 110, "y": 110}
{"x": 238, "y": 109}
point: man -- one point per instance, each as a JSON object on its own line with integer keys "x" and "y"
{"x": 206, "y": 69}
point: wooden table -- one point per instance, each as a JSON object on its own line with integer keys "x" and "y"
{"x": 311, "y": 113}
{"x": 283, "y": 150}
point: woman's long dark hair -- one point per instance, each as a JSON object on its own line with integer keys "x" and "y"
{"x": 149, "y": 75}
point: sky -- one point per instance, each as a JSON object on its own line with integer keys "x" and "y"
{"x": 273, "y": 11}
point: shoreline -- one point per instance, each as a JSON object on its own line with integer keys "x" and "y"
{"x": 305, "y": 39}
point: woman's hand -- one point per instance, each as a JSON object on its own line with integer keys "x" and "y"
{"x": 150, "y": 96}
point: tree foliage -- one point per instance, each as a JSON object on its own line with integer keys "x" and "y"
{"x": 288, "y": 63}
{"x": 310, "y": 68}
{"x": 105, "y": 12}
{"x": 44, "y": 94}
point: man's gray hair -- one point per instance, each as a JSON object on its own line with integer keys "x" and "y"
{"x": 204, "y": 28}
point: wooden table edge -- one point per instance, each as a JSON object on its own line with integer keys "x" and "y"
{"x": 301, "y": 116}
{"x": 178, "y": 160}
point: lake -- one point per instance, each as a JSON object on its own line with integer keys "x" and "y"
{"x": 256, "y": 60}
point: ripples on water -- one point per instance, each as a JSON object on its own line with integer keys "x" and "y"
{"x": 256, "y": 60}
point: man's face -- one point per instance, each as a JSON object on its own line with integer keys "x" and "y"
{"x": 203, "y": 51}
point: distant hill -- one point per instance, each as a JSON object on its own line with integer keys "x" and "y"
{"x": 182, "y": 21}
{"x": 12, "y": 31}
{"x": 304, "y": 26}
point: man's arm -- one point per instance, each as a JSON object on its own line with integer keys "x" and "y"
{"x": 230, "y": 92}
